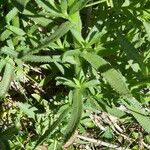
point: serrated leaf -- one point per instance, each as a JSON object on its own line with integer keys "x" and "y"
{"x": 37, "y": 18}
{"x": 48, "y": 8}
{"x": 108, "y": 72}
{"x": 101, "y": 105}
{"x": 75, "y": 115}
{"x": 28, "y": 109}
{"x": 37, "y": 59}
{"x": 7, "y": 77}
{"x": 8, "y": 51}
{"x": 11, "y": 14}
{"x": 139, "y": 113}
{"x": 5, "y": 35}
{"x": 16, "y": 30}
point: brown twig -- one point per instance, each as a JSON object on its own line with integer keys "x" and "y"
{"x": 99, "y": 142}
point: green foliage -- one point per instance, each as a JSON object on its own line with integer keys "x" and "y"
{"x": 110, "y": 74}
{"x": 7, "y": 77}
{"x": 63, "y": 62}
{"x": 75, "y": 115}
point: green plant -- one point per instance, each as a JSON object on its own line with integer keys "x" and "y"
{"x": 94, "y": 61}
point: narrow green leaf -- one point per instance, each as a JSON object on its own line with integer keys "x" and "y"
{"x": 37, "y": 18}
{"x": 64, "y": 6}
{"x": 139, "y": 113}
{"x": 11, "y": 14}
{"x": 7, "y": 77}
{"x": 77, "y": 5}
{"x": 16, "y": 30}
{"x": 77, "y": 35}
{"x": 95, "y": 39}
{"x": 61, "y": 31}
{"x": 147, "y": 27}
{"x": 130, "y": 15}
{"x": 75, "y": 115}
{"x": 130, "y": 50}
{"x": 64, "y": 81}
{"x": 48, "y": 8}
{"x": 100, "y": 105}
{"x": 38, "y": 59}
{"x": 8, "y": 51}
{"x": 110, "y": 74}
{"x": 27, "y": 109}
{"x": 5, "y": 35}
{"x": 2, "y": 64}
{"x": 90, "y": 83}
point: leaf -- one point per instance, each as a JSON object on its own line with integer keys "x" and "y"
{"x": 52, "y": 127}
{"x": 77, "y": 5}
{"x": 7, "y": 77}
{"x": 139, "y": 113}
{"x": 62, "y": 30}
{"x": 147, "y": 27}
{"x": 90, "y": 83}
{"x": 37, "y": 59}
{"x": 2, "y": 64}
{"x": 16, "y": 30}
{"x": 110, "y": 74}
{"x": 60, "y": 67}
{"x": 75, "y": 115}
{"x": 28, "y": 109}
{"x": 64, "y": 81}
{"x": 37, "y": 18}
{"x": 64, "y": 6}
{"x": 5, "y": 35}
{"x": 48, "y": 8}
{"x": 11, "y": 14}
{"x": 77, "y": 35}
{"x": 75, "y": 19}
{"x": 101, "y": 105}
{"x": 95, "y": 39}
{"x": 20, "y": 4}
{"x": 136, "y": 22}
{"x": 8, "y": 51}
{"x": 130, "y": 50}
{"x": 108, "y": 134}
